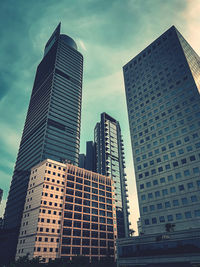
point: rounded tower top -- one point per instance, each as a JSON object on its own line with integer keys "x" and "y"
{"x": 68, "y": 40}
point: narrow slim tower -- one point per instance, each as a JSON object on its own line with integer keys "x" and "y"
{"x": 162, "y": 91}
{"x": 52, "y": 126}
{"x": 110, "y": 161}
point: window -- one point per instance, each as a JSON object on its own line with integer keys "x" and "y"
{"x": 162, "y": 219}
{"x": 170, "y": 218}
{"x": 159, "y": 206}
{"x": 150, "y": 195}
{"x": 190, "y": 185}
{"x": 152, "y": 207}
{"x": 155, "y": 182}
{"x": 181, "y": 187}
{"x": 184, "y": 201}
{"x": 175, "y": 203}
{"x": 170, "y": 178}
{"x": 196, "y": 170}
{"x": 197, "y": 213}
{"x": 154, "y": 220}
{"x": 194, "y": 198}
{"x": 146, "y": 221}
{"x": 165, "y": 192}
{"x": 162, "y": 180}
{"x": 145, "y": 209}
{"x": 188, "y": 215}
{"x": 172, "y": 189}
{"x": 178, "y": 216}
{"x": 167, "y": 204}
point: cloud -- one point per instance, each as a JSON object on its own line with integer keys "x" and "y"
{"x": 2, "y": 207}
{"x": 192, "y": 23}
{"x": 109, "y": 35}
{"x": 82, "y": 45}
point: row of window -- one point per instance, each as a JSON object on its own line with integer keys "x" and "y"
{"x": 51, "y": 195}
{"x": 55, "y": 204}
{"x": 87, "y": 202}
{"x": 168, "y": 166}
{"x": 175, "y": 116}
{"x": 165, "y": 192}
{"x": 99, "y": 195}
{"x": 144, "y": 117}
{"x": 53, "y": 180}
{"x": 163, "y": 94}
{"x": 49, "y": 220}
{"x": 86, "y": 233}
{"x": 85, "y": 251}
{"x": 184, "y": 173}
{"x": 169, "y": 204}
{"x": 169, "y": 179}
{"x": 170, "y": 218}
{"x": 154, "y": 94}
{"x": 86, "y": 242}
{"x": 48, "y": 230}
{"x": 86, "y": 217}
{"x": 53, "y": 212}
{"x": 53, "y": 188}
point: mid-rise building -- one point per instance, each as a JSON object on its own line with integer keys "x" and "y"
{"x": 68, "y": 211}
{"x": 110, "y": 161}
{"x": 162, "y": 92}
{"x": 52, "y": 126}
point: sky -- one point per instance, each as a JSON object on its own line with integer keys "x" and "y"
{"x": 108, "y": 33}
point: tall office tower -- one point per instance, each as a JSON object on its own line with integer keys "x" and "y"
{"x": 162, "y": 91}
{"x": 52, "y": 127}
{"x": 68, "y": 211}
{"x": 88, "y": 161}
{"x": 110, "y": 161}
{"x": 81, "y": 161}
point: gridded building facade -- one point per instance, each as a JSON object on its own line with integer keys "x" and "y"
{"x": 162, "y": 92}
{"x": 110, "y": 161}
{"x": 52, "y": 126}
{"x": 68, "y": 211}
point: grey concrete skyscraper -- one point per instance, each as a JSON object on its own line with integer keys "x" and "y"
{"x": 52, "y": 126}
{"x": 110, "y": 161}
{"x": 162, "y": 91}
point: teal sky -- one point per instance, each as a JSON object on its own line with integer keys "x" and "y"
{"x": 108, "y": 33}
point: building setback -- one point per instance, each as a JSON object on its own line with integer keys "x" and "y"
{"x": 68, "y": 211}
{"x": 110, "y": 161}
{"x": 52, "y": 126}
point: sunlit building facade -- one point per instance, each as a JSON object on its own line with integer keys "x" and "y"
{"x": 68, "y": 211}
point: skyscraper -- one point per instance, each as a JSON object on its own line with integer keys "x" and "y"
{"x": 110, "y": 161}
{"x": 162, "y": 90}
{"x": 88, "y": 160}
{"x": 52, "y": 126}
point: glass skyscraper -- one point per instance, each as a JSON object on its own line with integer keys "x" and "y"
{"x": 52, "y": 126}
{"x": 110, "y": 161}
{"x": 162, "y": 90}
